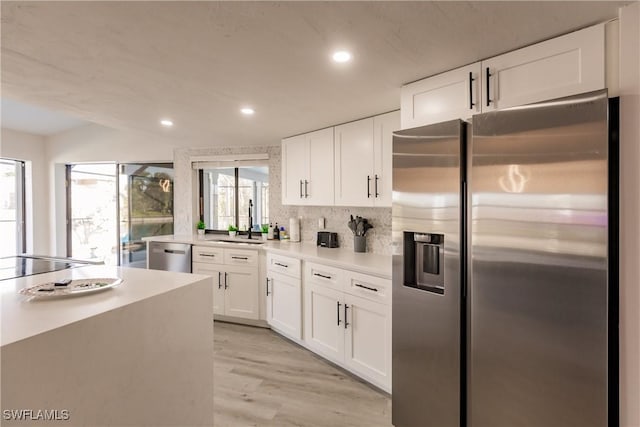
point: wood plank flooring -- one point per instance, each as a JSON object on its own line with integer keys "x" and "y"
{"x": 262, "y": 379}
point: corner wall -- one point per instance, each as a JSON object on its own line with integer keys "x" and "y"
{"x": 629, "y": 214}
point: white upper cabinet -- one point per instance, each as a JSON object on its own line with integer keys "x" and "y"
{"x": 363, "y": 161}
{"x": 307, "y": 169}
{"x": 383, "y": 127}
{"x": 443, "y": 97}
{"x": 354, "y": 163}
{"x": 567, "y": 65}
{"x": 563, "y": 66}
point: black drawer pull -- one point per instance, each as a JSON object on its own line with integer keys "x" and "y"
{"x": 281, "y": 265}
{"x": 366, "y": 287}
{"x": 240, "y": 257}
{"x": 209, "y": 255}
{"x": 322, "y": 275}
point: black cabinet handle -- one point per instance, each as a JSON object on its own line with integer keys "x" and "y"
{"x": 322, "y": 275}
{"x": 208, "y": 255}
{"x": 488, "y": 73}
{"x": 338, "y": 311}
{"x": 366, "y": 287}
{"x": 368, "y": 186}
{"x": 376, "y": 186}
{"x": 346, "y": 307}
{"x": 240, "y": 257}
{"x": 267, "y": 286}
{"x": 225, "y": 280}
{"x": 219, "y": 281}
{"x": 471, "y": 80}
{"x": 301, "y": 189}
{"x": 281, "y": 265}
{"x": 306, "y": 190}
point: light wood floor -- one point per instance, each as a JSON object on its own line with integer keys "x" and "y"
{"x": 261, "y": 379}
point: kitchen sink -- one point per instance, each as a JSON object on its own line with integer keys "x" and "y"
{"x": 251, "y": 242}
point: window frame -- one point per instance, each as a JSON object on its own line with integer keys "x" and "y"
{"x": 236, "y": 193}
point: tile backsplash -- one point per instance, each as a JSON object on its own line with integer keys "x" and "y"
{"x": 336, "y": 217}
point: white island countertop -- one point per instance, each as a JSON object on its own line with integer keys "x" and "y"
{"x": 23, "y": 318}
{"x": 367, "y": 263}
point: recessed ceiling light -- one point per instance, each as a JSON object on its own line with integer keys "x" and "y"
{"x": 166, "y": 123}
{"x": 341, "y": 56}
{"x": 247, "y": 111}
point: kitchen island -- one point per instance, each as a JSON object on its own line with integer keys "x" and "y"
{"x": 140, "y": 354}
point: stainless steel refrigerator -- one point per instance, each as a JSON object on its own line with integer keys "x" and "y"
{"x": 504, "y": 273}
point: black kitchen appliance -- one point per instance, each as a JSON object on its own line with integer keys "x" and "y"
{"x": 327, "y": 239}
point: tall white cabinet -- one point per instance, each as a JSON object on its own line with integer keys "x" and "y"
{"x": 347, "y": 165}
{"x": 307, "y": 169}
{"x": 363, "y": 161}
{"x": 563, "y": 66}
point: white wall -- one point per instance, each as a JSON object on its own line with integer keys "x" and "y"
{"x": 31, "y": 148}
{"x": 629, "y": 214}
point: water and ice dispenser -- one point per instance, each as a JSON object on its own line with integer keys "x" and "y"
{"x": 424, "y": 261}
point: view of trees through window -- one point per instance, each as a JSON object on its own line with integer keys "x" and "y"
{"x": 226, "y": 193}
{"x": 112, "y": 207}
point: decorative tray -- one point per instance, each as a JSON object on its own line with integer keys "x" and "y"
{"x": 66, "y": 288}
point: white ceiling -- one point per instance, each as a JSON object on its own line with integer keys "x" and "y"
{"x": 36, "y": 120}
{"x": 126, "y": 65}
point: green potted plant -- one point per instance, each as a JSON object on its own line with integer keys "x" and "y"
{"x": 264, "y": 228}
{"x": 232, "y": 230}
{"x": 200, "y": 226}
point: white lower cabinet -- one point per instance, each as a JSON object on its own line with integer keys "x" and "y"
{"x": 367, "y": 349}
{"x": 351, "y": 330}
{"x": 323, "y": 328}
{"x": 284, "y": 295}
{"x": 235, "y": 278}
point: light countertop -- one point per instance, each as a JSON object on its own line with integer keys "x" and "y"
{"x": 23, "y": 318}
{"x": 368, "y": 263}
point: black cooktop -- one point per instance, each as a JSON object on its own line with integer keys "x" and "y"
{"x": 26, "y": 265}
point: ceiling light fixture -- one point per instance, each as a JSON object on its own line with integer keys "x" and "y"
{"x": 341, "y": 56}
{"x": 247, "y": 111}
{"x": 166, "y": 123}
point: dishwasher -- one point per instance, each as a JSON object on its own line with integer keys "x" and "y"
{"x": 170, "y": 256}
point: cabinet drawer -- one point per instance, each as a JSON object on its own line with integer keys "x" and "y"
{"x": 284, "y": 264}
{"x": 324, "y": 275}
{"x": 246, "y": 257}
{"x": 370, "y": 287}
{"x": 208, "y": 255}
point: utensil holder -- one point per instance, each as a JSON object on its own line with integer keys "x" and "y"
{"x": 359, "y": 244}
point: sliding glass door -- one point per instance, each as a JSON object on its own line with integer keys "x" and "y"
{"x": 12, "y": 207}
{"x": 111, "y": 207}
{"x": 146, "y": 208}
{"x": 92, "y": 212}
